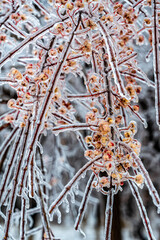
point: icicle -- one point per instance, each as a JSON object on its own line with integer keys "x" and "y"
{"x": 40, "y": 147}
{"x": 30, "y": 220}
{"x": 24, "y": 195}
{"x": 82, "y": 233}
{"x": 156, "y": 64}
{"x": 76, "y": 188}
{"x": 16, "y": 219}
{"x": 83, "y": 175}
{"x": 145, "y": 123}
{"x": 51, "y": 217}
{"x": 112, "y": 60}
{"x": 71, "y": 193}
{"x": 66, "y": 204}
{"x": 10, "y": 164}
{"x": 75, "y": 178}
{"x": 58, "y": 213}
{"x": 142, "y": 210}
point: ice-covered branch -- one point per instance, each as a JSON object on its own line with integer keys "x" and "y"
{"x": 142, "y": 210}
{"x": 152, "y": 191}
{"x": 156, "y": 59}
{"x": 84, "y": 202}
{"x": 26, "y": 41}
{"x": 109, "y": 215}
{"x": 112, "y": 59}
{"x": 67, "y": 188}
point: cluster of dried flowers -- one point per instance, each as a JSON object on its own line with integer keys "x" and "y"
{"x": 51, "y": 42}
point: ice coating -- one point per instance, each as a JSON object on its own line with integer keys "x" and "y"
{"x": 44, "y": 49}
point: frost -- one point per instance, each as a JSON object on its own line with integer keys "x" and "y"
{"x": 75, "y": 85}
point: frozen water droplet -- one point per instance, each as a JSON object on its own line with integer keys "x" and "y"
{"x": 84, "y": 174}
{"x": 145, "y": 124}
{"x": 158, "y": 210}
{"x": 72, "y": 196}
{"x": 51, "y": 216}
{"x": 30, "y": 219}
{"x": 58, "y": 213}
{"x": 82, "y": 233}
{"x": 76, "y": 189}
{"x": 40, "y": 147}
{"x": 66, "y": 203}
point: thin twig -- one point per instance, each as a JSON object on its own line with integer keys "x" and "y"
{"x": 66, "y": 189}
{"x": 84, "y": 202}
{"x": 152, "y": 191}
{"x": 142, "y": 210}
{"x": 155, "y": 39}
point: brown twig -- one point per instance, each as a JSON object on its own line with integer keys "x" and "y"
{"x": 155, "y": 39}
{"x": 109, "y": 214}
{"x": 66, "y": 189}
{"x": 13, "y": 195}
{"x": 11, "y": 162}
{"x": 44, "y": 216}
{"x": 84, "y": 202}
{"x": 142, "y": 210}
{"x": 152, "y": 191}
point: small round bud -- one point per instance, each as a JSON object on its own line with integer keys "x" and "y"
{"x": 139, "y": 179}
{"x": 11, "y": 103}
